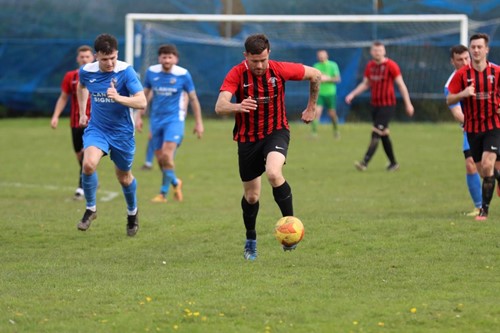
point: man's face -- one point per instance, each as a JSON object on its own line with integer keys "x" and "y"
{"x": 107, "y": 62}
{"x": 167, "y": 60}
{"x": 478, "y": 49}
{"x": 378, "y": 53}
{"x": 460, "y": 60}
{"x": 258, "y": 63}
{"x": 322, "y": 56}
{"x": 84, "y": 57}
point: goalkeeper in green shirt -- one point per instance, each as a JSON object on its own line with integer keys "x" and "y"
{"x": 330, "y": 76}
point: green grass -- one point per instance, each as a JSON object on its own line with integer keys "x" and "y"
{"x": 377, "y": 244}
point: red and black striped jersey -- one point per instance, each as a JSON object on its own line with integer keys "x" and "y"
{"x": 381, "y": 77}
{"x": 269, "y": 92}
{"x": 68, "y": 85}
{"x": 480, "y": 111}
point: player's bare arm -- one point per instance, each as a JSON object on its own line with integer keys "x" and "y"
{"x": 137, "y": 101}
{"x": 403, "y": 90}
{"x": 141, "y": 112}
{"x": 82, "y": 94}
{"x": 328, "y": 78}
{"x": 337, "y": 79}
{"x": 362, "y": 86}
{"x": 223, "y": 106}
{"x": 314, "y": 77}
{"x": 195, "y": 105}
{"x": 457, "y": 113}
{"x": 455, "y": 98}
{"x": 58, "y": 109}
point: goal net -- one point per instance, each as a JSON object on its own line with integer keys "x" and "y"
{"x": 209, "y": 45}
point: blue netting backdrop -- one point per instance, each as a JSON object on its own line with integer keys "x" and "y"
{"x": 421, "y": 52}
{"x": 38, "y": 40}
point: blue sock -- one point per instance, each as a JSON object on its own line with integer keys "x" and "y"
{"x": 168, "y": 177}
{"x": 173, "y": 177}
{"x": 474, "y": 185}
{"x": 174, "y": 180}
{"x": 150, "y": 152}
{"x": 89, "y": 183}
{"x": 130, "y": 195}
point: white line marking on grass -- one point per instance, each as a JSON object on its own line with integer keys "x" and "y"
{"x": 105, "y": 195}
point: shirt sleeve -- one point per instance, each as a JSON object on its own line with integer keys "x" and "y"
{"x": 81, "y": 76}
{"x": 147, "y": 80}
{"x": 133, "y": 84}
{"x": 336, "y": 70}
{"x": 367, "y": 70}
{"x": 231, "y": 81}
{"x": 291, "y": 70}
{"x": 188, "y": 83}
{"x": 447, "y": 91}
{"x": 394, "y": 69}
{"x": 66, "y": 83}
{"x": 454, "y": 86}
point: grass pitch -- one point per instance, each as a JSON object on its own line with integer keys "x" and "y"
{"x": 383, "y": 252}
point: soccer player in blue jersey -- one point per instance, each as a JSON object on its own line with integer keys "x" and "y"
{"x": 114, "y": 89}
{"x": 459, "y": 57}
{"x": 164, "y": 86}
{"x": 150, "y": 152}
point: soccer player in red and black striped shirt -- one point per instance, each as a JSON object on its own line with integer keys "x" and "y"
{"x": 476, "y": 86}
{"x": 380, "y": 75}
{"x": 68, "y": 89}
{"x": 261, "y": 126}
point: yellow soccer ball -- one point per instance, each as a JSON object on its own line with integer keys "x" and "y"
{"x": 289, "y": 231}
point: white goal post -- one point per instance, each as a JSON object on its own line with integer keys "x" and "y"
{"x": 131, "y": 18}
{"x": 209, "y": 45}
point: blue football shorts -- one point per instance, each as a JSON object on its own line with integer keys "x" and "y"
{"x": 121, "y": 152}
{"x": 169, "y": 132}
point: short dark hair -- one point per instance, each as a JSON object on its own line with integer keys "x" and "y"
{"x": 480, "y": 36}
{"x": 256, "y": 44}
{"x": 106, "y": 44}
{"x": 168, "y": 49}
{"x": 377, "y": 43}
{"x": 458, "y": 49}
{"x": 83, "y": 48}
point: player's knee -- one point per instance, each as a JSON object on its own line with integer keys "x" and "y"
{"x": 252, "y": 197}
{"x": 470, "y": 166}
{"x": 274, "y": 177}
{"x": 166, "y": 161}
{"x": 125, "y": 179}
{"x": 168, "y": 164}
{"x": 88, "y": 167}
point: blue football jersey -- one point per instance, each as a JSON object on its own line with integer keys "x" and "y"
{"x": 114, "y": 119}
{"x": 167, "y": 104}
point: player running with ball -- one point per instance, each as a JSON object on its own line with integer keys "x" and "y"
{"x": 261, "y": 127}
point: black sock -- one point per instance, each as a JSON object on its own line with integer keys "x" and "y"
{"x": 386, "y": 142}
{"x": 488, "y": 188}
{"x": 372, "y": 148}
{"x": 80, "y": 179}
{"x": 250, "y": 217}
{"x": 81, "y": 170}
{"x": 496, "y": 173}
{"x": 283, "y": 197}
